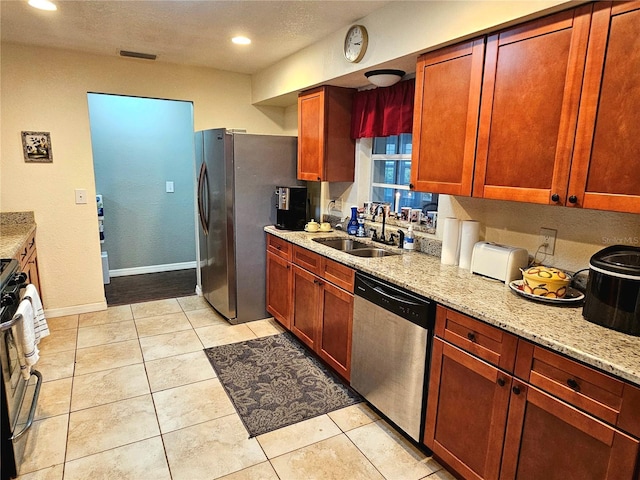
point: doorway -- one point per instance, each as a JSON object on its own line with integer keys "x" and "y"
{"x": 143, "y": 155}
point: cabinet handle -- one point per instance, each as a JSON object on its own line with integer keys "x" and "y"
{"x": 411, "y": 186}
{"x": 471, "y": 336}
{"x": 516, "y": 389}
{"x": 573, "y": 199}
{"x": 319, "y": 179}
{"x": 278, "y": 247}
{"x": 573, "y": 384}
{"x": 555, "y": 197}
{"x": 501, "y": 382}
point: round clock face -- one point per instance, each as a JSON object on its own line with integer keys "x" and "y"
{"x": 355, "y": 43}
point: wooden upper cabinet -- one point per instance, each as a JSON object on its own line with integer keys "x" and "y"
{"x": 445, "y": 124}
{"x": 530, "y": 97}
{"x": 326, "y": 151}
{"x": 606, "y": 165}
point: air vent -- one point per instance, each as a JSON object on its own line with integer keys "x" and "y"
{"x": 145, "y": 56}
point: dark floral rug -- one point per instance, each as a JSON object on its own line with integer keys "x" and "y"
{"x": 273, "y": 382}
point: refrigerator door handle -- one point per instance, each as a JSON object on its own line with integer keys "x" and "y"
{"x": 202, "y": 179}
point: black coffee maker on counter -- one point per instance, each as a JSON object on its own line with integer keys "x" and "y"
{"x": 291, "y": 213}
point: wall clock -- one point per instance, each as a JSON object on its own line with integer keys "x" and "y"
{"x": 355, "y": 43}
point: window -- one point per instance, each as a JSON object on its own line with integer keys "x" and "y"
{"x": 391, "y": 175}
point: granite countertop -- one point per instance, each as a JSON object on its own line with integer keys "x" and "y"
{"x": 560, "y": 328}
{"x": 15, "y": 228}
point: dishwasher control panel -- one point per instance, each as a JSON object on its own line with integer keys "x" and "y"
{"x": 407, "y": 305}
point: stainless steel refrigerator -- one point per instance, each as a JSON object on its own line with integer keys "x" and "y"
{"x": 237, "y": 176}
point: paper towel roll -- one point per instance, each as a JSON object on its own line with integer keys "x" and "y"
{"x": 469, "y": 236}
{"x": 450, "y": 241}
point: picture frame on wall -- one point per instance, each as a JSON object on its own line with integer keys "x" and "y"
{"x": 37, "y": 147}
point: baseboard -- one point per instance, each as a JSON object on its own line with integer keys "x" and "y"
{"x": 168, "y": 267}
{"x": 75, "y": 309}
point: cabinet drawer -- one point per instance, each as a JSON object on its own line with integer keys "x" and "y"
{"x": 485, "y": 341}
{"x": 338, "y": 274}
{"x": 279, "y": 247}
{"x": 597, "y": 393}
{"x": 307, "y": 259}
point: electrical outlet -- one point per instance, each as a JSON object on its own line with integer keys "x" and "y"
{"x": 337, "y": 204}
{"x": 81, "y": 196}
{"x": 548, "y": 237}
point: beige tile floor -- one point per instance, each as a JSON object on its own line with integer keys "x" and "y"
{"x": 128, "y": 393}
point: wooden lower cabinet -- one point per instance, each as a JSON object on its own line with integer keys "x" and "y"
{"x": 547, "y": 438}
{"x": 336, "y": 321}
{"x": 466, "y": 411}
{"x": 279, "y": 284}
{"x": 306, "y": 296}
{"x": 28, "y": 258}
{"x": 548, "y": 418}
{"x": 322, "y": 318}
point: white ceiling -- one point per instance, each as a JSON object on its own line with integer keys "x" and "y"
{"x": 191, "y": 32}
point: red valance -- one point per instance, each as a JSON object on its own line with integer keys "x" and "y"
{"x": 383, "y": 111}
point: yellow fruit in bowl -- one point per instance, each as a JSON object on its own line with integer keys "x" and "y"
{"x": 547, "y": 282}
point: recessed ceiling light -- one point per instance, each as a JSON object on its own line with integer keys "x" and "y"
{"x": 241, "y": 40}
{"x": 43, "y": 5}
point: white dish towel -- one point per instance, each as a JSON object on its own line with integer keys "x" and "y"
{"x": 25, "y": 338}
{"x": 40, "y": 326}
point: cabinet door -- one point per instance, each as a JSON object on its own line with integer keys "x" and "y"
{"x": 311, "y": 122}
{"x": 304, "y": 319}
{"x": 279, "y": 285}
{"x": 605, "y": 173}
{"x": 336, "y": 321}
{"x": 445, "y": 123}
{"x": 547, "y": 438}
{"x": 31, "y": 269}
{"x": 466, "y": 411}
{"x": 530, "y": 96}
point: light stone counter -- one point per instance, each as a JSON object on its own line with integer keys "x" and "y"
{"x": 15, "y": 228}
{"x": 560, "y": 328}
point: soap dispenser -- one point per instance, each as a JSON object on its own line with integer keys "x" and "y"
{"x": 352, "y": 226}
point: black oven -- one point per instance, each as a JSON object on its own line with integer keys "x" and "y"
{"x": 19, "y": 396}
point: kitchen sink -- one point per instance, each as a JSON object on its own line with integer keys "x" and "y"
{"x": 343, "y": 244}
{"x": 371, "y": 252}
{"x": 354, "y": 247}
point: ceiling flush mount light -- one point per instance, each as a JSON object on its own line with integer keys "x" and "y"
{"x": 241, "y": 40}
{"x": 43, "y": 5}
{"x": 384, "y": 78}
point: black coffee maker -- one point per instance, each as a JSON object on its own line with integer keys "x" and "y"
{"x": 291, "y": 213}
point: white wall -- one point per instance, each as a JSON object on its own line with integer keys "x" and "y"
{"x": 396, "y": 30}
{"x": 46, "y": 90}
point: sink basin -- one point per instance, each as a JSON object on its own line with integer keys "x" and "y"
{"x": 343, "y": 244}
{"x": 371, "y": 252}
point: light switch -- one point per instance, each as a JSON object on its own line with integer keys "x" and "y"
{"x": 81, "y": 196}
{"x": 170, "y": 187}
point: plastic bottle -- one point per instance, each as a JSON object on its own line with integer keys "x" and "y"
{"x": 408, "y": 239}
{"x": 361, "y": 232}
{"x": 352, "y": 226}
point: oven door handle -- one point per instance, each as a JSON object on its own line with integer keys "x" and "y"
{"x": 32, "y": 410}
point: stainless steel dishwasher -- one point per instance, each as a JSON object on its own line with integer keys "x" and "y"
{"x": 392, "y": 334}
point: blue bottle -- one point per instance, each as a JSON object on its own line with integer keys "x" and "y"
{"x": 352, "y": 226}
